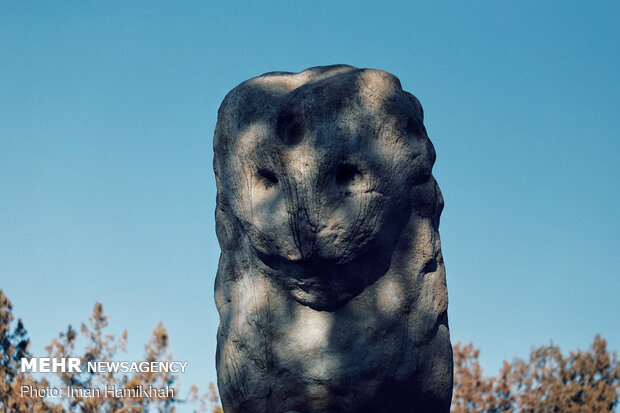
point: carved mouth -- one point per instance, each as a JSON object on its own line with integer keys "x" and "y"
{"x": 302, "y": 268}
{"x": 328, "y": 283}
{"x": 323, "y": 284}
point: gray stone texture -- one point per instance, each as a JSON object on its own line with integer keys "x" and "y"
{"x": 331, "y": 284}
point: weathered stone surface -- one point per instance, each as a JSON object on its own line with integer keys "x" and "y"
{"x": 331, "y": 285}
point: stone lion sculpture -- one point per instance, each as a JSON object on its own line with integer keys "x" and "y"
{"x": 331, "y": 284}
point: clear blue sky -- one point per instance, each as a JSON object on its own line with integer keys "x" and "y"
{"x": 107, "y": 112}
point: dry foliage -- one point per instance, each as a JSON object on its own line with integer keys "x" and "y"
{"x": 583, "y": 381}
{"x": 99, "y": 346}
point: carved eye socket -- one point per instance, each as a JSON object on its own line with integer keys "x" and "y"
{"x": 289, "y": 128}
{"x": 268, "y": 178}
{"x": 347, "y": 174}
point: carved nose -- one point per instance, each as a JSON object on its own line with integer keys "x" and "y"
{"x": 303, "y": 229}
{"x": 303, "y": 201}
{"x": 314, "y": 190}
